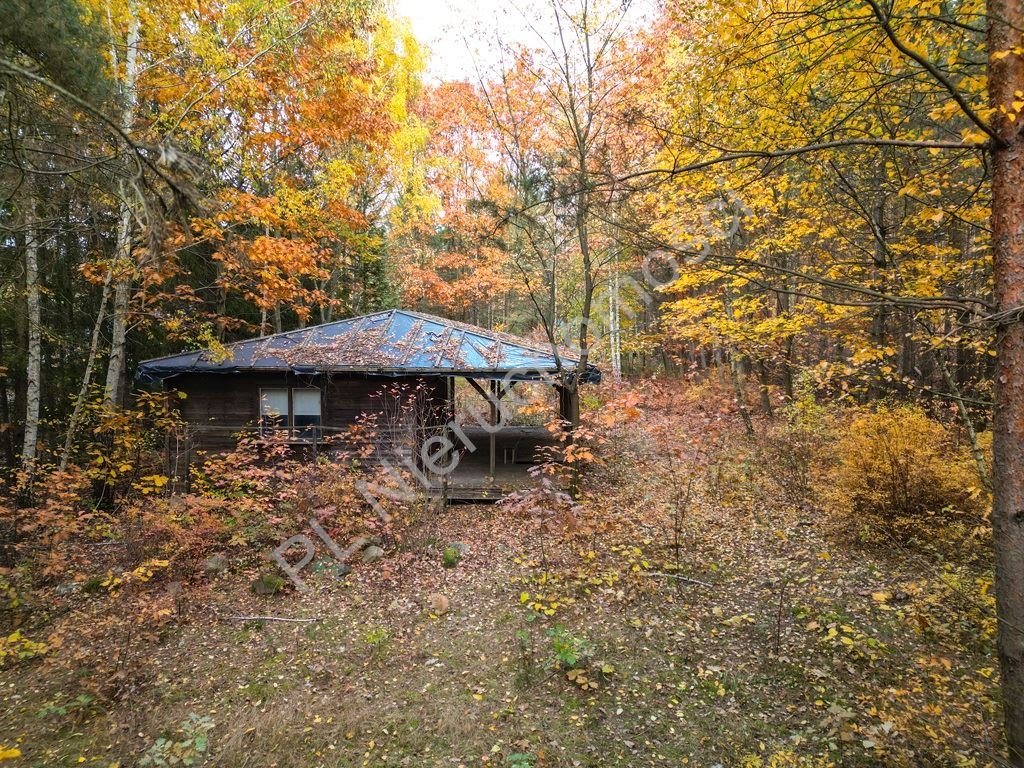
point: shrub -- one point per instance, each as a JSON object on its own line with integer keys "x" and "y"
{"x": 450, "y": 558}
{"x": 15, "y": 647}
{"x": 791, "y": 449}
{"x": 267, "y": 584}
{"x": 377, "y": 638}
{"x": 190, "y": 749}
{"x": 570, "y": 651}
{"x": 896, "y": 467}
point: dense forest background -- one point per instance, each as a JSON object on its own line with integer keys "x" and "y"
{"x": 177, "y": 177}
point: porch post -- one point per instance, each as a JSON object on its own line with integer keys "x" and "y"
{"x": 449, "y": 419}
{"x": 493, "y": 400}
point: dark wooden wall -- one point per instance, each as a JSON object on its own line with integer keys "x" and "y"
{"x": 219, "y": 406}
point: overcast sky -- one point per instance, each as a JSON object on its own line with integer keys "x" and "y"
{"x": 455, "y": 31}
{"x": 461, "y": 34}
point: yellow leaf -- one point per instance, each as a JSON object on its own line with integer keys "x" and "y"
{"x": 9, "y": 753}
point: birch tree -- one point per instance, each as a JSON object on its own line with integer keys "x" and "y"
{"x": 33, "y": 303}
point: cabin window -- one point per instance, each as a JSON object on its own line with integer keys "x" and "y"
{"x": 295, "y": 410}
{"x": 306, "y": 413}
{"x": 273, "y": 410}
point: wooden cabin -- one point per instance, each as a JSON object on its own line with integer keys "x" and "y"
{"x": 407, "y": 372}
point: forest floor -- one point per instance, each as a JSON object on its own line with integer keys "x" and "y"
{"x": 785, "y": 644}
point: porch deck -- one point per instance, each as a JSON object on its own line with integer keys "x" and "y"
{"x": 516, "y": 450}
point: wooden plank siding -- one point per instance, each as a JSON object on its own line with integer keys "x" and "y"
{"x": 219, "y": 406}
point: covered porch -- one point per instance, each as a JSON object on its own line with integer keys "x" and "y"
{"x": 516, "y": 450}
{"x": 487, "y": 439}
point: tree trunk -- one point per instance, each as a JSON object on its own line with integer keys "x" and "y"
{"x": 90, "y": 363}
{"x": 6, "y": 422}
{"x": 764, "y": 389}
{"x": 583, "y": 234}
{"x": 124, "y": 267}
{"x": 787, "y": 368}
{"x": 880, "y": 321}
{"x": 739, "y": 387}
{"x": 1006, "y": 76}
{"x": 968, "y": 422}
{"x": 614, "y": 316}
{"x": 124, "y": 277}
{"x": 33, "y": 301}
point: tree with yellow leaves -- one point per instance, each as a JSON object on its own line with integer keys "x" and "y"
{"x": 876, "y": 149}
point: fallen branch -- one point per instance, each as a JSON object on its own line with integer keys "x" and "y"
{"x": 686, "y": 579}
{"x": 271, "y": 618}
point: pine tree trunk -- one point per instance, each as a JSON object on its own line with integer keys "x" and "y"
{"x": 1006, "y": 76}
{"x": 33, "y": 301}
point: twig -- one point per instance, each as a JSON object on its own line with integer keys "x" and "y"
{"x": 271, "y": 618}
{"x": 778, "y": 617}
{"x": 687, "y": 579}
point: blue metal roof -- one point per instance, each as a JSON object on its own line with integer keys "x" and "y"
{"x": 396, "y": 342}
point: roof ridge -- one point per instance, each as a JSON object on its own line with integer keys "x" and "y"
{"x": 497, "y": 335}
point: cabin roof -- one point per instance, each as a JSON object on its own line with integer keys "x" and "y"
{"x": 396, "y": 342}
